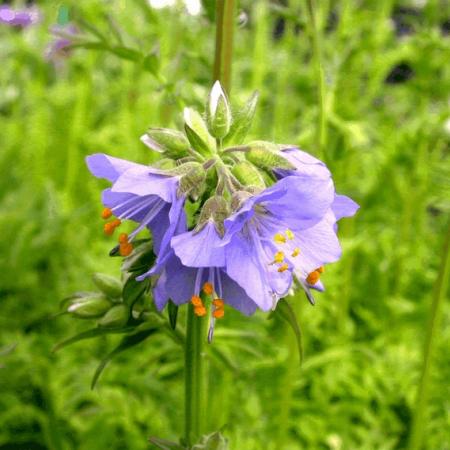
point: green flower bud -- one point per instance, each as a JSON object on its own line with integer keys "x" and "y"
{"x": 218, "y": 112}
{"x": 197, "y": 133}
{"x": 170, "y": 142}
{"x": 116, "y": 317}
{"x": 215, "y": 208}
{"x": 110, "y": 286}
{"x": 192, "y": 183}
{"x": 213, "y": 441}
{"x": 248, "y": 174}
{"x": 89, "y": 307}
{"x": 266, "y": 156}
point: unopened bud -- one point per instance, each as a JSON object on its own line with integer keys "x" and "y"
{"x": 248, "y": 174}
{"x": 116, "y": 317}
{"x": 192, "y": 183}
{"x": 265, "y": 155}
{"x": 170, "y": 142}
{"x": 218, "y": 112}
{"x": 89, "y": 307}
{"x": 110, "y": 286}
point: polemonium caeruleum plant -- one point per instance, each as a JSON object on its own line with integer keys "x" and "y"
{"x": 219, "y": 223}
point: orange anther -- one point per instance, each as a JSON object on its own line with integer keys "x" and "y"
{"x": 116, "y": 222}
{"x": 321, "y": 269}
{"x": 123, "y": 238}
{"x": 218, "y": 313}
{"x": 200, "y": 311}
{"x": 108, "y": 229}
{"x": 125, "y": 249}
{"x": 106, "y": 213}
{"x": 218, "y": 303}
{"x": 208, "y": 288}
{"x": 196, "y": 300}
{"x": 283, "y": 267}
{"x": 313, "y": 277}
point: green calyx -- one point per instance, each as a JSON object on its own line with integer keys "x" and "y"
{"x": 215, "y": 209}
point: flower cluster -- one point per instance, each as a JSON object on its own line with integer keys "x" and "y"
{"x": 232, "y": 224}
{"x": 18, "y": 18}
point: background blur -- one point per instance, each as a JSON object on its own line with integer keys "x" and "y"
{"x": 387, "y": 78}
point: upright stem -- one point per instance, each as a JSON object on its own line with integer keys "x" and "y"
{"x": 194, "y": 379}
{"x": 440, "y": 290}
{"x": 320, "y": 77}
{"x": 225, "y": 17}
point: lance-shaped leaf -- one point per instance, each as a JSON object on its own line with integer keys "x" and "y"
{"x": 242, "y": 121}
{"x": 197, "y": 132}
{"x": 173, "y": 314}
{"x": 127, "y": 343}
{"x": 164, "y": 444}
{"x": 285, "y": 311}
{"x": 89, "y": 334}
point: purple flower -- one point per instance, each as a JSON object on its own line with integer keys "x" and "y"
{"x": 250, "y": 251}
{"x": 64, "y": 36}
{"x": 18, "y": 18}
{"x": 142, "y": 194}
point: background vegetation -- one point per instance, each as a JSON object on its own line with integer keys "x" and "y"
{"x": 387, "y": 79}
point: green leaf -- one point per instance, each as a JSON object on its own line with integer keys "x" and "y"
{"x": 126, "y": 53}
{"x": 151, "y": 63}
{"x": 197, "y": 132}
{"x": 164, "y": 444}
{"x": 133, "y": 290}
{"x": 127, "y": 342}
{"x": 242, "y": 121}
{"x": 213, "y": 441}
{"x": 284, "y": 310}
{"x": 173, "y": 314}
{"x": 89, "y": 334}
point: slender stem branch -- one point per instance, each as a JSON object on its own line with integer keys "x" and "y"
{"x": 440, "y": 290}
{"x": 225, "y": 18}
{"x": 320, "y": 77}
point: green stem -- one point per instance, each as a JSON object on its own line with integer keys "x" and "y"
{"x": 194, "y": 378}
{"x": 320, "y": 77}
{"x": 225, "y": 17}
{"x": 440, "y": 290}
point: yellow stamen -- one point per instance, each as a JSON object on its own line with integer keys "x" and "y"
{"x": 208, "y": 288}
{"x": 279, "y": 257}
{"x": 283, "y": 267}
{"x": 289, "y": 234}
{"x": 279, "y": 238}
{"x": 200, "y": 311}
{"x": 123, "y": 238}
{"x": 106, "y": 213}
{"x": 125, "y": 249}
{"x": 218, "y": 303}
{"x": 321, "y": 269}
{"x": 313, "y": 277}
{"x": 196, "y": 300}
{"x": 296, "y": 252}
{"x": 218, "y": 313}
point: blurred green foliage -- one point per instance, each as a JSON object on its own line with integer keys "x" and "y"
{"x": 387, "y": 78}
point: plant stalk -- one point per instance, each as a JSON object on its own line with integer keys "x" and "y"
{"x": 225, "y": 18}
{"x": 440, "y": 290}
{"x": 316, "y": 39}
{"x": 194, "y": 377}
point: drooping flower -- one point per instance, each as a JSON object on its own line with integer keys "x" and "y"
{"x": 18, "y": 18}
{"x": 63, "y": 38}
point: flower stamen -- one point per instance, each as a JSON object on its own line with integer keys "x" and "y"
{"x": 196, "y": 300}
{"x": 208, "y": 288}
{"x": 106, "y": 213}
{"x": 279, "y": 238}
{"x": 283, "y": 267}
{"x": 290, "y": 235}
{"x": 313, "y": 277}
{"x": 296, "y": 252}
